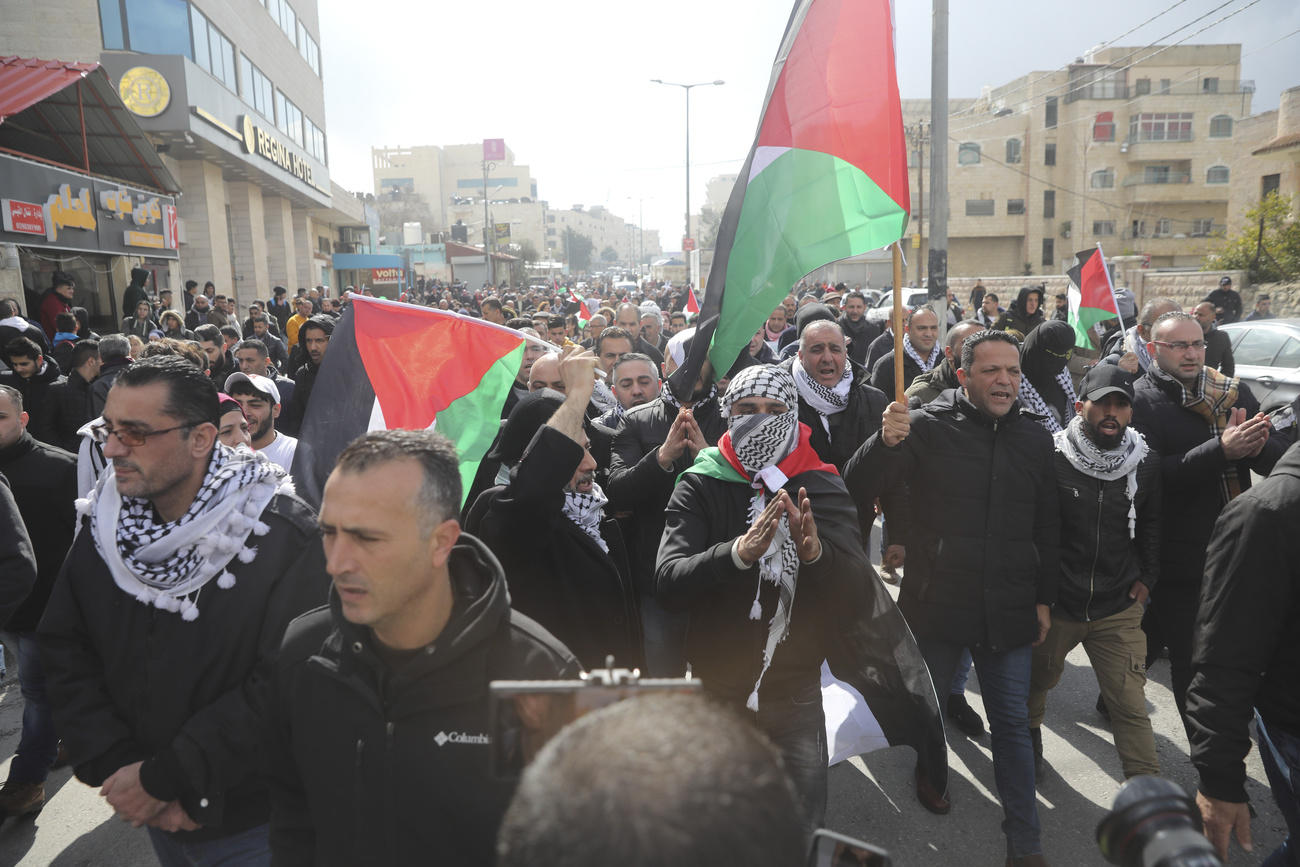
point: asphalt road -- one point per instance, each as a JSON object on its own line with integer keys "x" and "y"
{"x": 871, "y": 797}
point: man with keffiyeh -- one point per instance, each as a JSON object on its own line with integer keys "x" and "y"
{"x": 190, "y": 560}
{"x": 920, "y": 351}
{"x": 1108, "y": 483}
{"x": 760, "y": 537}
{"x": 1210, "y": 435}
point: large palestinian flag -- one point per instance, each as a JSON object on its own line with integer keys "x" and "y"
{"x": 1091, "y": 296}
{"x": 826, "y": 177}
{"x": 394, "y": 365}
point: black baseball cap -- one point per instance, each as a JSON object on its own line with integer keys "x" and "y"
{"x": 1106, "y": 379}
{"x": 1225, "y": 280}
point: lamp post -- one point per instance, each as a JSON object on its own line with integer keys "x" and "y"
{"x": 487, "y": 225}
{"x": 687, "y": 88}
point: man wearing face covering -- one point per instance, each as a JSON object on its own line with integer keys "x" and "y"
{"x": 759, "y": 536}
{"x": 1046, "y": 387}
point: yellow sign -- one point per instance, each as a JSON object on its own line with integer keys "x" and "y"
{"x": 143, "y": 239}
{"x": 120, "y": 205}
{"x": 144, "y": 91}
{"x": 67, "y": 212}
{"x": 258, "y": 141}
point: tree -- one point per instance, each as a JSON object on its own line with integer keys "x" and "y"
{"x": 710, "y": 220}
{"x": 609, "y": 254}
{"x": 1267, "y": 248}
{"x": 578, "y": 249}
{"x": 527, "y": 251}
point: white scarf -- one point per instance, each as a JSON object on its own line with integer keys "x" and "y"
{"x": 167, "y": 563}
{"x": 826, "y": 401}
{"x": 1105, "y": 464}
{"x": 925, "y": 364}
{"x": 1033, "y": 401}
{"x": 1136, "y": 345}
{"x": 587, "y": 510}
{"x": 603, "y": 397}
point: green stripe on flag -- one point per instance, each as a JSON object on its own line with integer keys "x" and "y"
{"x": 471, "y": 421}
{"x": 802, "y": 211}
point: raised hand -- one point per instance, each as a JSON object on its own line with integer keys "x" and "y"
{"x": 758, "y": 538}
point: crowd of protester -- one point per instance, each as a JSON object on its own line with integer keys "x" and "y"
{"x": 253, "y": 679}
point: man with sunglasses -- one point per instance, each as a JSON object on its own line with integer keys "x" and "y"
{"x": 192, "y": 559}
{"x": 1210, "y": 435}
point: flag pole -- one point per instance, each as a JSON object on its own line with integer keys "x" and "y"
{"x": 897, "y": 320}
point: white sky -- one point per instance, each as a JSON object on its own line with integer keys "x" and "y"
{"x": 567, "y": 83}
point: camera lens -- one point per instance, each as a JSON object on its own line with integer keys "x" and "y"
{"x": 1153, "y": 823}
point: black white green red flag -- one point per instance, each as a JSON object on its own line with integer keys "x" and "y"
{"x": 826, "y": 177}
{"x": 394, "y": 365}
{"x": 1091, "y": 296}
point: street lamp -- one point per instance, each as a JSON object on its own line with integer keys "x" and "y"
{"x": 687, "y": 88}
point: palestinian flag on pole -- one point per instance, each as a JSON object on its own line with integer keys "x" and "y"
{"x": 826, "y": 177}
{"x": 692, "y": 305}
{"x": 585, "y": 311}
{"x": 1091, "y": 296}
{"x": 394, "y": 365}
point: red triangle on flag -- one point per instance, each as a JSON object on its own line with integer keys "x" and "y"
{"x": 692, "y": 306}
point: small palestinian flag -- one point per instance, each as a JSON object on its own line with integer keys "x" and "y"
{"x": 394, "y": 365}
{"x": 826, "y": 177}
{"x": 692, "y": 306}
{"x": 1091, "y": 296}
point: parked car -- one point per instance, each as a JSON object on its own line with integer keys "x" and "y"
{"x": 1267, "y": 354}
{"x": 884, "y": 307}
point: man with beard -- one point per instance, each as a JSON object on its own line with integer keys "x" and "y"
{"x": 1128, "y": 348}
{"x": 220, "y": 362}
{"x": 943, "y": 375}
{"x": 191, "y": 560}
{"x": 275, "y": 350}
{"x": 1046, "y": 387}
{"x": 313, "y": 341}
{"x": 565, "y": 558}
{"x": 260, "y": 400}
{"x": 1218, "y": 346}
{"x": 250, "y": 357}
{"x": 858, "y": 330}
{"x": 1108, "y": 484}
{"x": 920, "y": 352}
{"x": 989, "y": 312}
{"x": 983, "y": 562}
{"x": 652, "y": 447}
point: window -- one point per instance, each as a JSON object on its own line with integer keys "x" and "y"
{"x": 1103, "y": 128}
{"x": 156, "y": 26}
{"x": 1049, "y": 113}
{"x": 308, "y": 48}
{"x": 1142, "y": 86}
{"x": 1216, "y": 175}
{"x": 1163, "y": 229}
{"x": 1013, "y": 150}
{"x": 1049, "y": 204}
{"x": 1269, "y": 184}
{"x": 1289, "y": 356}
{"x": 1103, "y": 227}
{"x": 1202, "y": 228}
{"x": 1015, "y": 207}
{"x": 315, "y": 139}
{"x": 550, "y": 231}
{"x": 968, "y": 153}
{"x": 1259, "y": 347}
{"x": 288, "y": 118}
{"x": 1156, "y": 175}
{"x": 110, "y": 24}
{"x": 1209, "y": 85}
{"x": 1102, "y": 179}
{"x": 257, "y": 89}
{"x": 1164, "y": 85}
{"x": 288, "y": 21}
{"x": 1049, "y": 154}
{"x": 212, "y": 50}
{"x": 1138, "y": 229}
{"x": 1160, "y": 126}
{"x": 980, "y": 207}
{"x": 1220, "y": 126}
{"x": 1049, "y": 252}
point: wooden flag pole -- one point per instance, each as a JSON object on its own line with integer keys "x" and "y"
{"x": 897, "y": 320}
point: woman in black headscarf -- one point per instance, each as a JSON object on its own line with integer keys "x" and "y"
{"x": 1046, "y": 387}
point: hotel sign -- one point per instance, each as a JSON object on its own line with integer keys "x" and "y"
{"x": 257, "y": 140}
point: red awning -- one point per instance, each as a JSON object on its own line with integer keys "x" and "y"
{"x": 70, "y": 114}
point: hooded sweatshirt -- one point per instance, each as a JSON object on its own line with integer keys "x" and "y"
{"x": 1016, "y": 320}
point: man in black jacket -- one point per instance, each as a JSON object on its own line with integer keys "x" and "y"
{"x": 1247, "y": 660}
{"x": 31, "y": 374}
{"x": 155, "y": 659}
{"x": 858, "y": 329}
{"x": 313, "y": 342}
{"x": 920, "y": 351}
{"x": 67, "y": 404}
{"x": 565, "y": 559}
{"x": 1210, "y": 436}
{"x": 1108, "y": 483}
{"x": 44, "y": 483}
{"x": 379, "y": 716}
{"x": 114, "y": 356}
{"x": 1218, "y": 345}
{"x": 17, "y": 562}
{"x": 982, "y": 560}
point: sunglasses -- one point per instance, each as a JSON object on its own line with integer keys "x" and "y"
{"x": 130, "y": 437}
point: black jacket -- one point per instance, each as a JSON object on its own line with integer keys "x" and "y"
{"x": 129, "y": 682}
{"x": 1099, "y": 562}
{"x": 1246, "y": 653}
{"x": 373, "y": 763}
{"x": 17, "y": 562}
{"x": 852, "y": 426}
{"x": 638, "y": 485}
{"x": 882, "y": 344}
{"x": 861, "y": 334}
{"x": 695, "y": 573}
{"x": 100, "y": 387}
{"x": 1016, "y": 320}
{"x": 44, "y": 483}
{"x": 882, "y": 374}
{"x": 34, "y": 391}
{"x": 1191, "y": 464}
{"x": 1218, "y": 352}
{"x": 556, "y": 573}
{"x": 67, "y": 408}
{"x": 984, "y": 549}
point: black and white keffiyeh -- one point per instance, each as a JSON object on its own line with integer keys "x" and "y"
{"x": 1134, "y": 343}
{"x": 1033, "y": 401}
{"x": 826, "y": 401}
{"x": 587, "y": 510}
{"x": 1105, "y": 464}
{"x": 671, "y": 399}
{"x": 761, "y": 441}
{"x": 603, "y": 397}
{"x": 925, "y": 363}
{"x": 167, "y": 563}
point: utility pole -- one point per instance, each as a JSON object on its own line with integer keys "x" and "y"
{"x": 920, "y": 201}
{"x": 687, "y": 88}
{"x": 938, "y": 270}
{"x": 488, "y": 228}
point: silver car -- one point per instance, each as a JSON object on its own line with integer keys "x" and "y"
{"x": 1267, "y": 355}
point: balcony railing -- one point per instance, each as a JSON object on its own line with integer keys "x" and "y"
{"x": 1084, "y": 88}
{"x": 1168, "y": 178}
